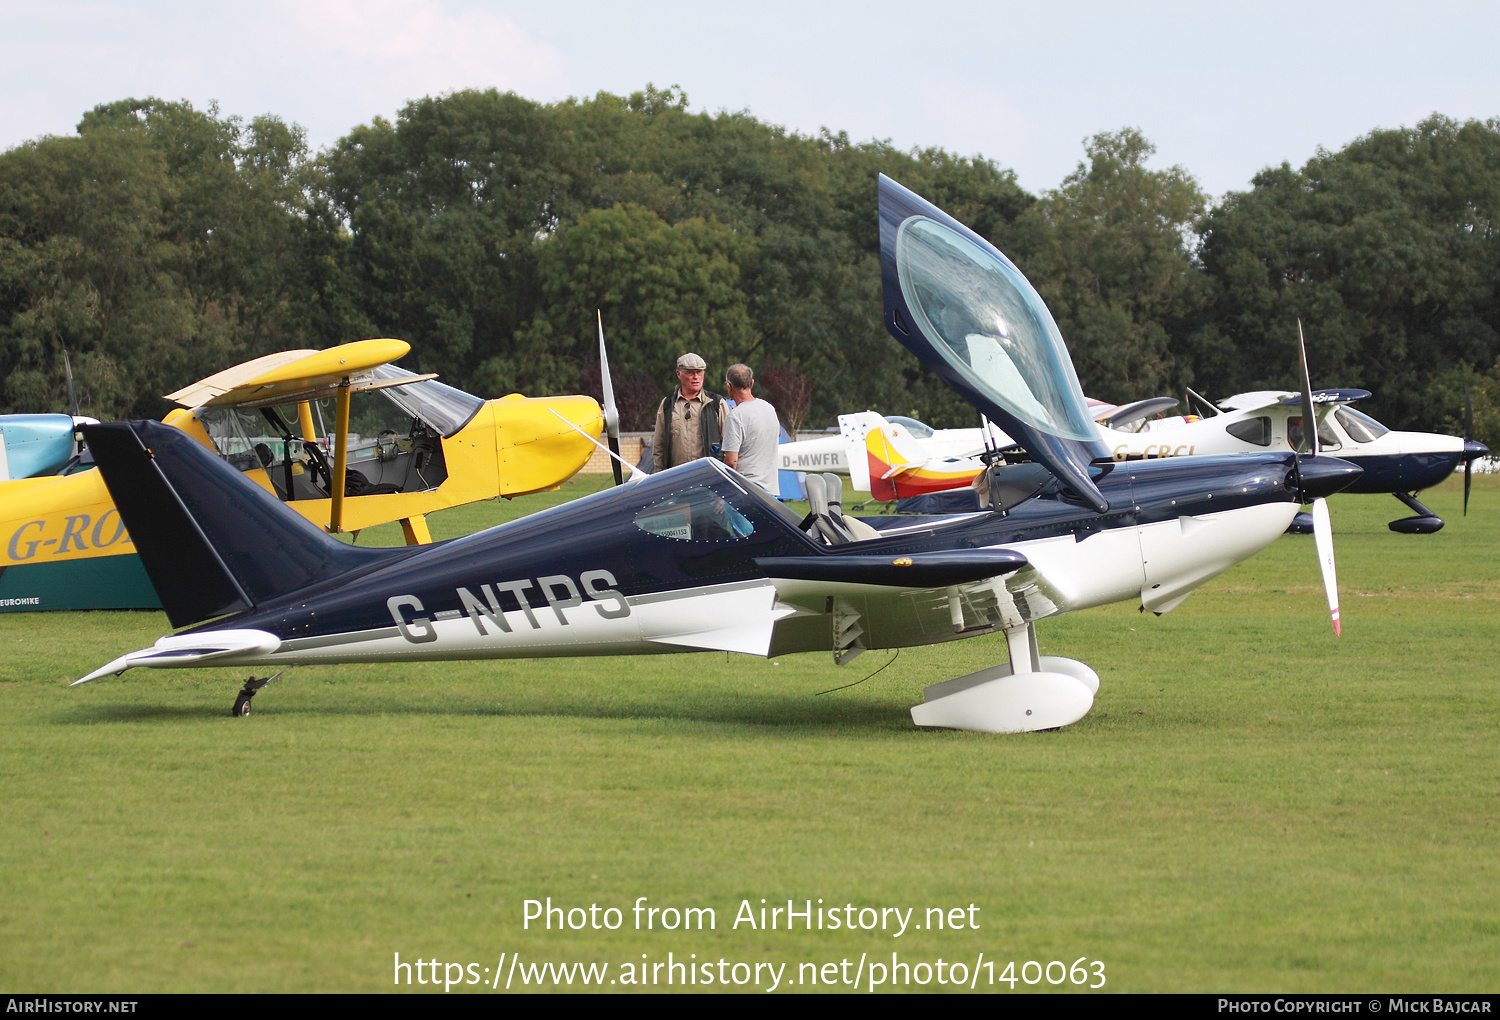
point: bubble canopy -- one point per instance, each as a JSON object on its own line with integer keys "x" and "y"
{"x": 969, "y": 315}
{"x": 990, "y": 325}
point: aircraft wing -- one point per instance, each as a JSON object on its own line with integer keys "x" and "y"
{"x": 290, "y": 376}
{"x": 1327, "y": 397}
{"x": 1127, "y": 414}
{"x": 889, "y": 602}
{"x": 919, "y": 570}
{"x": 1263, "y": 399}
{"x": 1256, "y": 400}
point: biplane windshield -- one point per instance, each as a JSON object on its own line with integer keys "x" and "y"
{"x": 443, "y": 407}
{"x": 395, "y": 433}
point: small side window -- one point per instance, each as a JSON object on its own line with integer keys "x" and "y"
{"x": 1295, "y": 437}
{"x": 1327, "y": 438}
{"x": 1252, "y": 430}
{"x": 695, "y": 515}
{"x": 241, "y": 437}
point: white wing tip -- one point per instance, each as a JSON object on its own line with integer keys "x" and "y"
{"x": 114, "y": 668}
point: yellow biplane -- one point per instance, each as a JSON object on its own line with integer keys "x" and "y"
{"x": 343, "y": 436}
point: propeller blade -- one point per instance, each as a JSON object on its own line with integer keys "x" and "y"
{"x": 72, "y": 403}
{"x": 1468, "y": 435}
{"x": 72, "y": 391}
{"x": 611, "y": 412}
{"x": 1323, "y": 538}
{"x": 1309, "y": 419}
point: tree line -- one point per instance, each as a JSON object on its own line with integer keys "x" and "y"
{"x": 164, "y": 243}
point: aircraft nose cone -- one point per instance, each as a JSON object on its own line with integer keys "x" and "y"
{"x": 1473, "y": 450}
{"x": 1323, "y": 476}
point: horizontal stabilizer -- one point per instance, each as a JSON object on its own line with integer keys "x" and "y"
{"x": 1140, "y": 410}
{"x": 892, "y": 450}
{"x": 192, "y": 650}
{"x": 917, "y": 570}
{"x": 899, "y": 465}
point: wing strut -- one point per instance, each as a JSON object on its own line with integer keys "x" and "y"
{"x": 340, "y": 457}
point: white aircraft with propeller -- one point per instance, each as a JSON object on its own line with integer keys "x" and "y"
{"x": 1395, "y": 462}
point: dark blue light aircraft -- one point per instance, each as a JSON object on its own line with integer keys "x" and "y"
{"x": 1399, "y": 463}
{"x": 698, "y": 557}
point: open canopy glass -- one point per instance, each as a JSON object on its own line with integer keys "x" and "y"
{"x": 968, "y": 314}
{"x": 991, "y": 326}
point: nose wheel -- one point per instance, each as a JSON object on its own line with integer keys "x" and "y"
{"x": 252, "y": 685}
{"x": 1424, "y": 523}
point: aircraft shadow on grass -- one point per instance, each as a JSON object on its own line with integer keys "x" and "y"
{"x": 698, "y": 558}
{"x": 776, "y": 711}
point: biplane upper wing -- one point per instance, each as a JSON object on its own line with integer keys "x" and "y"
{"x": 290, "y": 376}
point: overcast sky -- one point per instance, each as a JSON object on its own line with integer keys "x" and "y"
{"x": 1222, "y": 88}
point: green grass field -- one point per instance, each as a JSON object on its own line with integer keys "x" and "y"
{"x": 1251, "y": 805}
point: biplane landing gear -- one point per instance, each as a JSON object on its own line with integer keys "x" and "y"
{"x": 242, "y": 703}
{"x": 1032, "y": 692}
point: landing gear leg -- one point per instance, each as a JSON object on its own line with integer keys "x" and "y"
{"x": 1424, "y": 523}
{"x": 1032, "y": 692}
{"x": 242, "y": 703}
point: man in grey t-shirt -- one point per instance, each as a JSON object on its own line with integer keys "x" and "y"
{"x": 751, "y": 432}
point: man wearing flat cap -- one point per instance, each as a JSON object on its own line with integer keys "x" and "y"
{"x": 689, "y": 421}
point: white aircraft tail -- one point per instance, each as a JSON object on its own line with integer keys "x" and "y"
{"x": 854, "y": 428}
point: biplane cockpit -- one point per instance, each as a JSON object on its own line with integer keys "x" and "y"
{"x": 349, "y": 440}
{"x": 394, "y": 441}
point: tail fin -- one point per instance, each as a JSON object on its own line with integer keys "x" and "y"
{"x": 891, "y": 451}
{"x": 853, "y": 427}
{"x": 211, "y": 540}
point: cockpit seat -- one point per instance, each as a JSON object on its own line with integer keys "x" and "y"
{"x": 827, "y": 521}
{"x": 820, "y": 524}
{"x": 858, "y": 530}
